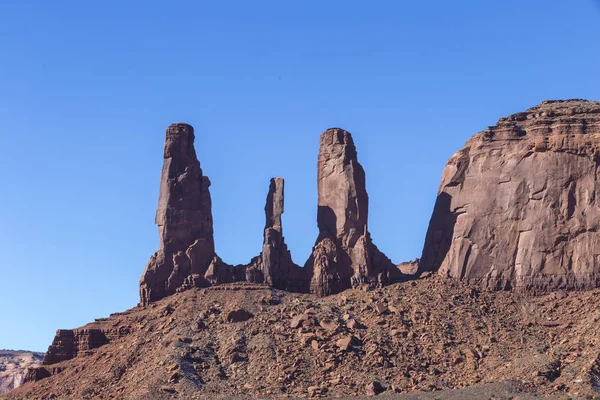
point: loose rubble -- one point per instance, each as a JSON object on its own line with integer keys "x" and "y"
{"x": 436, "y": 334}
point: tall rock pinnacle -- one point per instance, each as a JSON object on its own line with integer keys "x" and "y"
{"x": 519, "y": 206}
{"x": 184, "y": 219}
{"x": 274, "y": 266}
{"x": 344, "y": 255}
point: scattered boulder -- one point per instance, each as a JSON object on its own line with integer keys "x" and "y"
{"x": 374, "y": 388}
{"x": 345, "y": 343}
{"x": 380, "y": 308}
{"x": 238, "y": 315}
{"x": 298, "y": 320}
{"x": 184, "y": 219}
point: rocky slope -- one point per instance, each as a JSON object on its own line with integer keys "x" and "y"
{"x": 519, "y": 205}
{"x": 13, "y": 365}
{"x": 241, "y": 339}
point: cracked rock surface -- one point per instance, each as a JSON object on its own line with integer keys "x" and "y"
{"x": 518, "y": 206}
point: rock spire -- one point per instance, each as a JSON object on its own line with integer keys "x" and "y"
{"x": 184, "y": 219}
{"x": 344, "y": 255}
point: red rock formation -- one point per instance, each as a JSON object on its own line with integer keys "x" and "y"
{"x": 15, "y": 367}
{"x": 68, "y": 343}
{"x": 274, "y": 266}
{"x": 519, "y": 205}
{"x": 184, "y": 219}
{"x": 344, "y": 255}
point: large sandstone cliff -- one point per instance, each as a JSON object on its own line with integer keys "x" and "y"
{"x": 519, "y": 206}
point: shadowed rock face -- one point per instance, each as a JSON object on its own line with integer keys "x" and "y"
{"x": 518, "y": 207}
{"x": 184, "y": 219}
{"x": 344, "y": 255}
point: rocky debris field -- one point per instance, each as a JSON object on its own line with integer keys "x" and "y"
{"x": 413, "y": 337}
{"x": 13, "y": 365}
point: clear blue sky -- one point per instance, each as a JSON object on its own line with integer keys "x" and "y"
{"x": 88, "y": 88}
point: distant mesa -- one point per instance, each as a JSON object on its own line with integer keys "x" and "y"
{"x": 343, "y": 257}
{"x": 14, "y": 366}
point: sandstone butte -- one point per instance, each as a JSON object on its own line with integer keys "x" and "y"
{"x": 517, "y": 209}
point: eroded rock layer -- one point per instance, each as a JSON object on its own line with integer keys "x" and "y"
{"x": 184, "y": 219}
{"x": 69, "y": 343}
{"x": 518, "y": 207}
{"x": 344, "y": 255}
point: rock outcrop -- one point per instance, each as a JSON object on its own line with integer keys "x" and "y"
{"x": 69, "y": 343}
{"x": 519, "y": 206}
{"x": 274, "y": 266}
{"x": 184, "y": 219}
{"x": 14, "y": 367}
{"x": 344, "y": 255}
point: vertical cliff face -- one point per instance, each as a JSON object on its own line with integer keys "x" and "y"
{"x": 184, "y": 219}
{"x": 518, "y": 207}
{"x": 344, "y": 255}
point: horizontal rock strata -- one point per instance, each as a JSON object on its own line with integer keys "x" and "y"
{"x": 519, "y": 206}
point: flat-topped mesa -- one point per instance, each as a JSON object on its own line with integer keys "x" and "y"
{"x": 519, "y": 206}
{"x": 344, "y": 255}
{"x": 274, "y": 265}
{"x": 184, "y": 219}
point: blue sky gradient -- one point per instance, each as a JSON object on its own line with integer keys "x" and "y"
{"x": 88, "y": 88}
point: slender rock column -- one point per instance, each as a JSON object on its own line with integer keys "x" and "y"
{"x": 344, "y": 255}
{"x": 184, "y": 219}
{"x": 274, "y": 266}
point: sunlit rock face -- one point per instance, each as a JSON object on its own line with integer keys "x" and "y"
{"x": 518, "y": 206}
{"x": 344, "y": 255}
{"x": 184, "y": 219}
